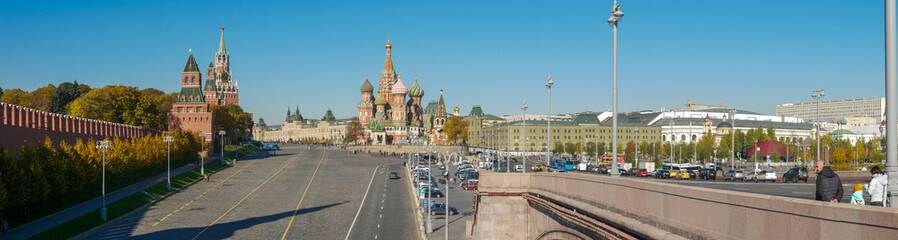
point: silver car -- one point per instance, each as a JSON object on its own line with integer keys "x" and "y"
{"x": 764, "y": 175}
{"x": 732, "y": 175}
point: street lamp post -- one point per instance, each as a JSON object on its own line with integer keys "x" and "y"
{"x": 103, "y": 144}
{"x": 524, "y": 153}
{"x": 221, "y": 139}
{"x": 168, "y": 140}
{"x": 203, "y": 156}
{"x": 616, "y": 15}
{"x": 733, "y": 139}
{"x": 891, "y": 109}
{"x": 549, "y": 84}
{"x": 637, "y": 148}
{"x": 817, "y": 95}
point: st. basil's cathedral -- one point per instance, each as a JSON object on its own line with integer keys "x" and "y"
{"x": 388, "y": 117}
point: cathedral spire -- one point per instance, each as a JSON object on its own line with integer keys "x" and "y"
{"x": 388, "y": 64}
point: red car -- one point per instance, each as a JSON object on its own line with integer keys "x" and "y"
{"x": 642, "y": 172}
{"x": 470, "y": 184}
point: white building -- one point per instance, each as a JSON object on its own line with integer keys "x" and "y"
{"x": 690, "y": 126}
{"x": 832, "y": 111}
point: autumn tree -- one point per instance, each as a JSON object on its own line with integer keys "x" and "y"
{"x": 456, "y": 129}
{"x": 558, "y": 148}
{"x": 119, "y": 104}
{"x": 354, "y": 130}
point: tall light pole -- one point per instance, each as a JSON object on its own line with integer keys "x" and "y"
{"x": 168, "y": 140}
{"x": 203, "y": 156}
{"x": 524, "y": 154}
{"x": 549, "y": 84}
{"x": 508, "y": 149}
{"x": 221, "y": 139}
{"x": 891, "y": 109}
{"x": 672, "y": 136}
{"x": 733, "y": 138}
{"x": 616, "y": 15}
{"x": 817, "y": 95}
{"x": 637, "y": 147}
{"x": 103, "y": 144}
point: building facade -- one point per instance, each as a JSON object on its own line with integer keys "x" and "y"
{"x": 832, "y": 111}
{"x": 295, "y": 128}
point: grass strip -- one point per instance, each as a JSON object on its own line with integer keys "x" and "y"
{"x": 134, "y": 201}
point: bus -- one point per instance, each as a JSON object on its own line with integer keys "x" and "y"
{"x": 567, "y": 165}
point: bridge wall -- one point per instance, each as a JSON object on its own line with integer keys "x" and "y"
{"x": 691, "y": 212}
{"x": 19, "y": 125}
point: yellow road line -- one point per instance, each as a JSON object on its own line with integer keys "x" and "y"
{"x": 204, "y": 193}
{"x": 247, "y": 195}
{"x": 303, "y": 196}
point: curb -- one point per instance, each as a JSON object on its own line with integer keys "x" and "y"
{"x": 422, "y": 233}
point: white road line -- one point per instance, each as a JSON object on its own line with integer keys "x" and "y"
{"x": 381, "y": 216}
{"x": 363, "y": 203}
{"x": 378, "y": 225}
{"x": 375, "y": 236}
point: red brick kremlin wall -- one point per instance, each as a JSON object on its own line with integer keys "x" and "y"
{"x": 20, "y": 124}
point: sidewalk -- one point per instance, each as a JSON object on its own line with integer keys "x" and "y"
{"x": 37, "y": 226}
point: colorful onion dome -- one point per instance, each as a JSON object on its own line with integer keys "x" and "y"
{"x": 366, "y": 87}
{"x": 380, "y": 101}
{"x": 399, "y": 87}
{"x": 416, "y": 90}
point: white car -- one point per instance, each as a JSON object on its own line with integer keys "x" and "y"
{"x": 765, "y": 175}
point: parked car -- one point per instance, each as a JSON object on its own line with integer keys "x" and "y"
{"x": 434, "y": 193}
{"x": 680, "y": 175}
{"x": 662, "y": 173}
{"x": 440, "y": 209}
{"x": 732, "y": 175}
{"x": 765, "y": 175}
{"x": 470, "y": 184}
{"x": 642, "y": 172}
{"x": 795, "y": 174}
{"x": 752, "y": 176}
{"x": 707, "y": 174}
{"x": 630, "y": 172}
{"x": 394, "y": 175}
{"x": 692, "y": 174}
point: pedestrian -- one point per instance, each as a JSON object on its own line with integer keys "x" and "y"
{"x": 829, "y": 186}
{"x": 877, "y": 187}
{"x": 858, "y": 196}
{"x": 205, "y": 177}
{"x": 5, "y": 227}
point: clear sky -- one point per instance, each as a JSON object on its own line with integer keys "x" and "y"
{"x": 749, "y": 54}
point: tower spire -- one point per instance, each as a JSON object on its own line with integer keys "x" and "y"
{"x": 221, "y": 45}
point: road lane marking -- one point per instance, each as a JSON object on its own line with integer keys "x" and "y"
{"x": 247, "y": 195}
{"x": 303, "y": 195}
{"x": 204, "y": 193}
{"x": 363, "y": 202}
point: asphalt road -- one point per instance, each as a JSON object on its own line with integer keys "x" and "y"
{"x": 298, "y": 193}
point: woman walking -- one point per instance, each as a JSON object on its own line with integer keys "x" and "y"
{"x": 877, "y": 187}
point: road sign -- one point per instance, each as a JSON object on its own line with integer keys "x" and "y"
{"x": 427, "y": 203}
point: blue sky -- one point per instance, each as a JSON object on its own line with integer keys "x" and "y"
{"x": 749, "y": 54}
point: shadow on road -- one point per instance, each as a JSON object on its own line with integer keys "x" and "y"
{"x": 217, "y": 231}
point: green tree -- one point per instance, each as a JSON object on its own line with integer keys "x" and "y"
{"x": 771, "y": 133}
{"x": 65, "y": 93}
{"x": 119, "y": 104}
{"x": 571, "y": 148}
{"x": 741, "y": 142}
{"x": 558, "y": 148}
{"x": 723, "y": 148}
{"x": 1, "y": 92}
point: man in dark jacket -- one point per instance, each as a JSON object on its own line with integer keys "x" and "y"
{"x": 829, "y": 186}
